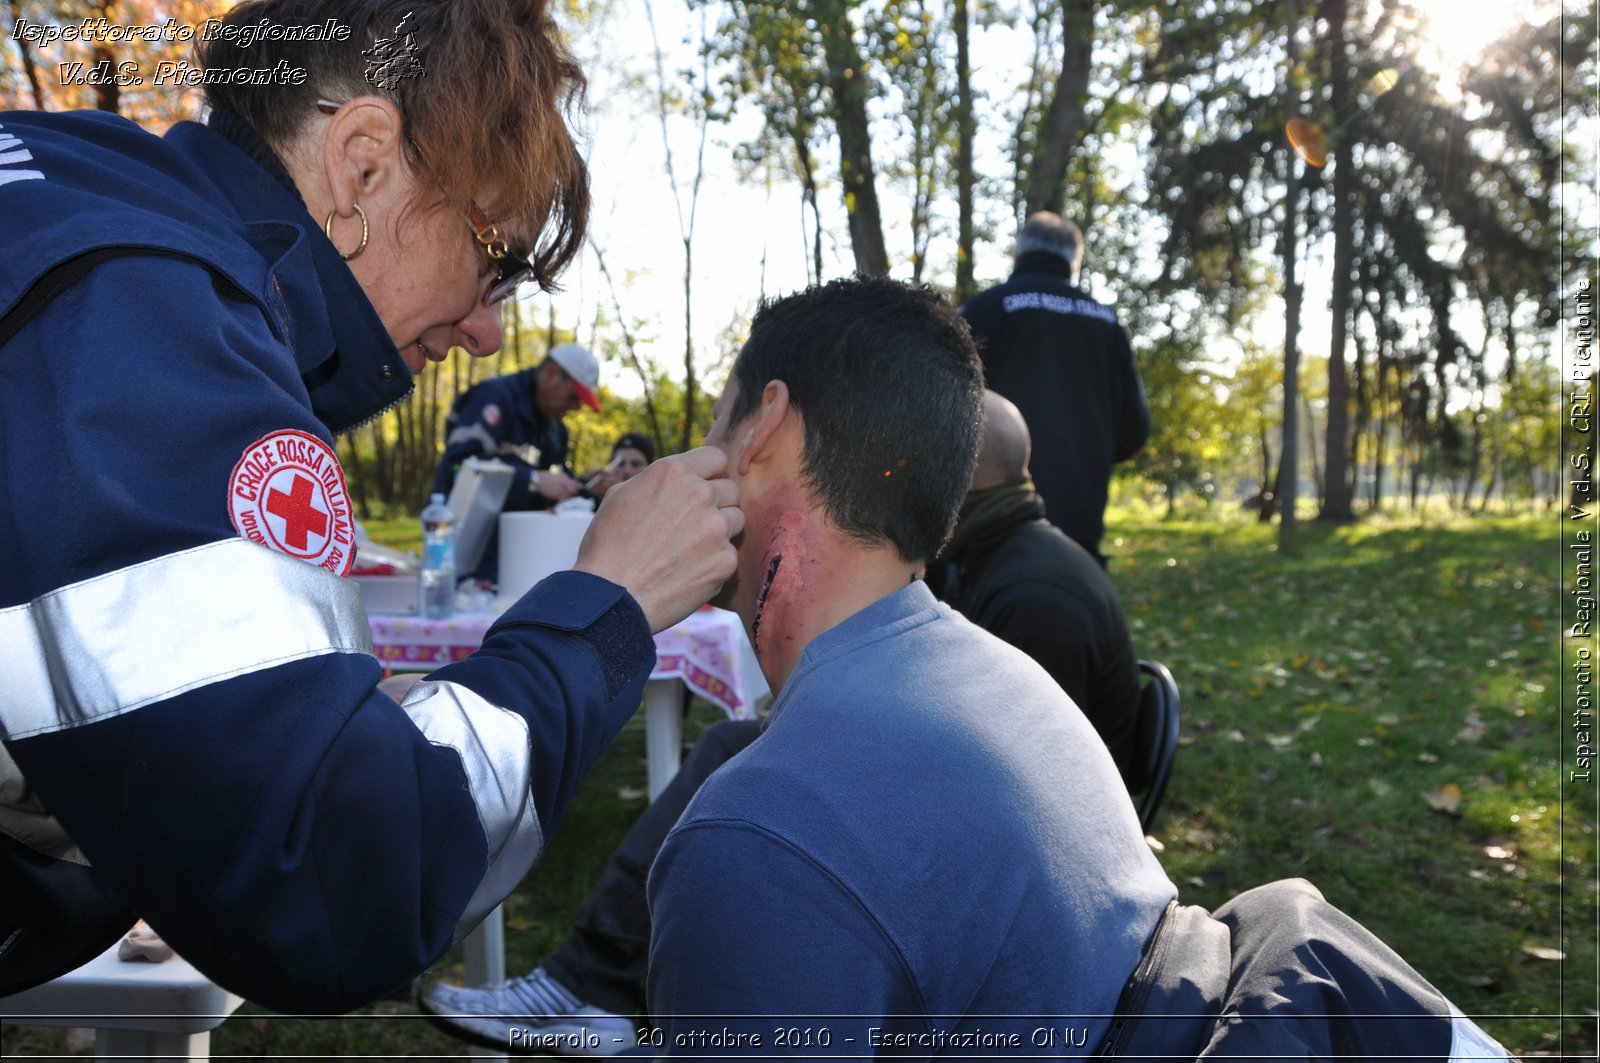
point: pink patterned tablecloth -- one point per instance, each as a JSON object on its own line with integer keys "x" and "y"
{"x": 707, "y": 651}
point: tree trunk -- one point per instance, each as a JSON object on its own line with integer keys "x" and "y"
{"x": 1311, "y": 440}
{"x": 808, "y": 195}
{"x": 965, "y": 133}
{"x": 1288, "y": 461}
{"x": 847, "y": 79}
{"x": 1063, "y": 124}
{"x": 1380, "y": 424}
{"x": 1268, "y": 492}
{"x": 689, "y": 382}
{"x": 1032, "y": 101}
{"x": 1488, "y": 488}
{"x": 1378, "y": 440}
{"x": 29, "y": 68}
{"x": 629, "y": 345}
{"x": 108, "y": 93}
{"x": 1336, "y": 486}
{"x": 1475, "y": 459}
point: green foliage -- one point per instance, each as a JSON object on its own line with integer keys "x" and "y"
{"x": 1187, "y": 421}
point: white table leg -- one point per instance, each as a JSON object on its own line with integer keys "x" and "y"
{"x": 663, "y": 732}
{"x": 484, "y": 961}
{"x": 484, "y": 948}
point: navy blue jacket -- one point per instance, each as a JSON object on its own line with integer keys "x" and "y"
{"x": 1067, "y": 364}
{"x": 190, "y": 699}
{"x": 500, "y": 418}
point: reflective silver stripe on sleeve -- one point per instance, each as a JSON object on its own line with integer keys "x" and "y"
{"x": 493, "y": 745}
{"x": 1469, "y": 1041}
{"x": 24, "y": 818}
{"x": 142, "y": 634}
{"x": 473, "y": 433}
{"x": 525, "y": 452}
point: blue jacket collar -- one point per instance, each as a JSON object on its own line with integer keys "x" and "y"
{"x": 350, "y": 368}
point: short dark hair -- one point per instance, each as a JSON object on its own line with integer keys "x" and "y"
{"x": 888, "y": 385}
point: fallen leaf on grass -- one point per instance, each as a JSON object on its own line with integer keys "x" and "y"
{"x": 632, "y": 793}
{"x": 1446, "y": 799}
{"x": 1542, "y": 952}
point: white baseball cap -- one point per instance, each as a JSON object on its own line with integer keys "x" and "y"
{"x": 582, "y": 368}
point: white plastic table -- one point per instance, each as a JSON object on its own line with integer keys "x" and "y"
{"x": 707, "y": 653}
{"x": 137, "y": 1009}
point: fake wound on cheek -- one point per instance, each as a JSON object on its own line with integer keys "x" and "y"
{"x": 761, "y": 599}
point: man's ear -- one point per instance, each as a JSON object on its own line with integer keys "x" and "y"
{"x": 363, "y": 150}
{"x": 762, "y": 426}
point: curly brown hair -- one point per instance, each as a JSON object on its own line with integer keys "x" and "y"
{"x": 490, "y": 101}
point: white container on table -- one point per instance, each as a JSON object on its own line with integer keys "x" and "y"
{"x": 534, "y": 545}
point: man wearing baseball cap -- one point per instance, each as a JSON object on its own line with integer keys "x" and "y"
{"x": 517, "y": 419}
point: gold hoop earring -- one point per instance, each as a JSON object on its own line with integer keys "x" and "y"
{"x": 327, "y": 229}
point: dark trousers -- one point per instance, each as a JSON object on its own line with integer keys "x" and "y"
{"x": 603, "y": 960}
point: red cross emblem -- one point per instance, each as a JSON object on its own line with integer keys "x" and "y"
{"x": 287, "y": 493}
{"x": 300, "y": 515}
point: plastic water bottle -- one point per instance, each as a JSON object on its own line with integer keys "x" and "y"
{"x": 437, "y": 592}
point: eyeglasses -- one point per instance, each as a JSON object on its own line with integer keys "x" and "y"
{"x": 511, "y": 269}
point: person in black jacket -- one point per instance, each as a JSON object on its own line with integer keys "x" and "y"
{"x": 1008, "y": 570}
{"x": 1069, "y": 367}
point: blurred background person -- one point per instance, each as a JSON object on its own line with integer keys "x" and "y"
{"x": 519, "y": 419}
{"x": 629, "y": 455}
{"x": 1069, "y": 367}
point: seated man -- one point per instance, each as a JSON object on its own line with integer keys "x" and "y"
{"x": 1007, "y": 570}
{"x": 1014, "y": 574}
{"x": 927, "y": 848}
{"x": 928, "y": 836}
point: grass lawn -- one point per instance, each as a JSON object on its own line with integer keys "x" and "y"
{"x": 1380, "y": 712}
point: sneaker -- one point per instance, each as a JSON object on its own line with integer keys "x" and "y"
{"x": 534, "y": 1014}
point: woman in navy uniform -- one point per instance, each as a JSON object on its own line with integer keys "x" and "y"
{"x": 191, "y": 721}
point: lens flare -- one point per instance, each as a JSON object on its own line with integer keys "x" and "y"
{"x": 1307, "y": 140}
